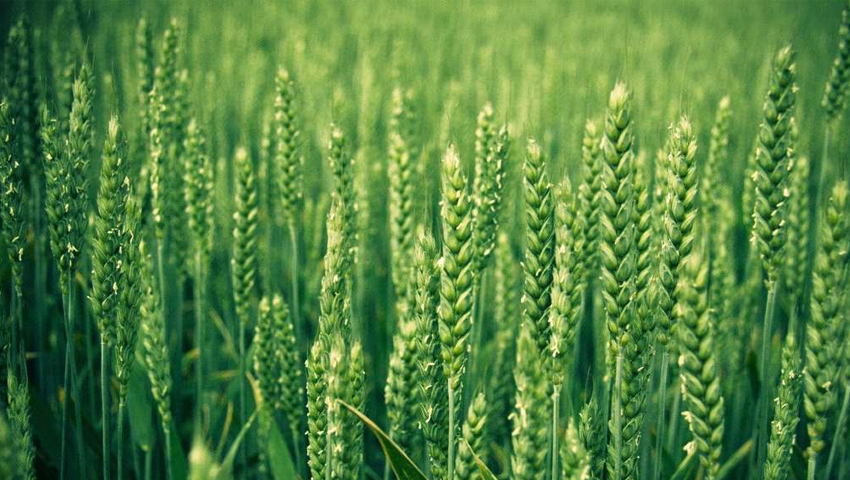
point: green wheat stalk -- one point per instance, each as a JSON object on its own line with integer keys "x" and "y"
{"x": 110, "y": 247}
{"x": 529, "y": 437}
{"x": 155, "y": 346}
{"x": 769, "y": 213}
{"x": 835, "y": 91}
{"x": 677, "y": 239}
{"x": 288, "y": 165}
{"x": 822, "y": 331}
{"x": 591, "y": 434}
{"x": 617, "y": 253}
{"x": 243, "y": 264}
{"x": 506, "y": 303}
{"x": 786, "y": 413}
{"x": 711, "y": 179}
{"x": 277, "y": 366}
{"x": 457, "y": 274}
{"x": 573, "y": 455}
{"x": 19, "y": 420}
{"x": 567, "y": 290}
{"x": 399, "y": 393}
{"x": 8, "y": 462}
{"x": 433, "y": 404}
{"x": 66, "y": 171}
{"x": 472, "y": 435}
{"x": 698, "y": 365}
{"x": 400, "y": 171}
{"x": 539, "y": 248}
{"x": 199, "y": 183}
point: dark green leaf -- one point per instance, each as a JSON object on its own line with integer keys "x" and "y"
{"x": 177, "y": 458}
{"x": 686, "y": 468}
{"x": 734, "y": 460}
{"x": 482, "y": 467}
{"x": 139, "y": 408}
{"x": 280, "y": 460}
{"x": 402, "y": 465}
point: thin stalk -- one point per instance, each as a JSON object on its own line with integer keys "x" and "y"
{"x": 810, "y": 472}
{"x": 296, "y": 445}
{"x": 556, "y": 405}
{"x": 119, "y": 439}
{"x": 14, "y": 299}
{"x": 90, "y": 369}
{"x": 451, "y": 459}
{"x": 199, "y": 337}
{"x": 673, "y": 430}
{"x": 137, "y": 467}
{"x": 386, "y": 470}
{"x": 839, "y": 430}
{"x": 40, "y": 280}
{"x": 616, "y": 404}
{"x": 160, "y": 271}
{"x": 662, "y": 399}
{"x": 293, "y": 240}
{"x": 166, "y": 430}
{"x": 104, "y": 406}
{"x": 764, "y": 395}
{"x": 823, "y": 162}
{"x": 242, "y": 385}
{"x": 69, "y": 384}
{"x": 148, "y": 464}
{"x": 65, "y": 382}
{"x": 328, "y": 447}
{"x": 477, "y": 333}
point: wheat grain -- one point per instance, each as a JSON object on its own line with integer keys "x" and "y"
{"x": 539, "y": 248}
{"x": 698, "y": 365}
{"x": 822, "y": 340}
{"x": 432, "y": 385}
{"x": 400, "y": 173}
{"x": 786, "y": 413}
{"x": 529, "y": 416}
{"x": 616, "y": 250}
{"x": 19, "y": 419}
{"x": 473, "y": 435}
{"x": 835, "y": 92}
{"x": 773, "y": 165}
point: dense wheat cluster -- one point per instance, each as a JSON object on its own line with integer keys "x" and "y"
{"x": 478, "y": 240}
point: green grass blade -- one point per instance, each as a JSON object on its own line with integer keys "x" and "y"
{"x": 482, "y": 467}
{"x": 227, "y": 463}
{"x": 734, "y": 460}
{"x": 139, "y": 408}
{"x": 686, "y": 468}
{"x": 402, "y": 465}
{"x": 280, "y": 461}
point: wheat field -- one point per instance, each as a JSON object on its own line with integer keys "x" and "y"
{"x": 425, "y": 240}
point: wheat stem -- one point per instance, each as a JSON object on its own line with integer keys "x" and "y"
{"x": 199, "y": 334}
{"x": 293, "y": 240}
{"x": 166, "y": 430}
{"x": 662, "y": 399}
{"x": 148, "y": 461}
{"x": 65, "y": 382}
{"x": 556, "y": 405}
{"x": 241, "y": 374}
{"x": 764, "y": 400}
{"x": 104, "y": 406}
{"x": 812, "y": 467}
{"x": 119, "y": 439}
{"x": 839, "y": 430}
{"x": 451, "y": 458}
{"x": 616, "y": 406}
{"x": 69, "y": 383}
